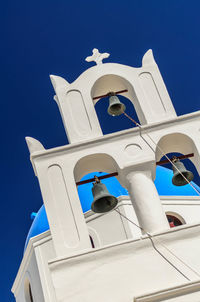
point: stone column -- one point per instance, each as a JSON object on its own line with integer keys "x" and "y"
{"x": 146, "y": 201}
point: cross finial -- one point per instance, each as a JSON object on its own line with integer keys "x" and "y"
{"x": 97, "y": 56}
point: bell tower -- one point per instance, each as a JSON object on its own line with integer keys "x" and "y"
{"x": 143, "y": 86}
{"x": 131, "y": 156}
{"x": 56, "y": 169}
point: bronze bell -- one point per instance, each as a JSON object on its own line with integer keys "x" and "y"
{"x": 103, "y": 201}
{"x": 178, "y": 179}
{"x": 115, "y": 106}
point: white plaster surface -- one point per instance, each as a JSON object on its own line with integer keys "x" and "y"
{"x": 176, "y": 245}
{"x": 108, "y": 154}
{"x": 125, "y": 265}
{"x": 121, "y": 272}
{"x": 189, "y": 291}
{"x": 146, "y": 90}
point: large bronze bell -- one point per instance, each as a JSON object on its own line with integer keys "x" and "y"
{"x": 103, "y": 201}
{"x": 178, "y": 179}
{"x": 115, "y": 106}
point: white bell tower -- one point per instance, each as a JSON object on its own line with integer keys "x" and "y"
{"x": 61, "y": 264}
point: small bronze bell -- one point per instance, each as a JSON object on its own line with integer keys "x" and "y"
{"x": 103, "y": 201}
{"x": 115, "y": 106}
{"x": 178, "y": 179}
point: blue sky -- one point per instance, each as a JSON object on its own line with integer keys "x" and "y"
{"x": 39, "y": 38}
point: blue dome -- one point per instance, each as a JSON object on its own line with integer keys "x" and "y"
{"x": 163, "y": 184}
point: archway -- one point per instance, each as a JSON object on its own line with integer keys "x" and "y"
{"x": 85, "y": 191}
{"x": 114, "y": 83}
{"x": 176, "y": 144}
{"x": 165, "y": 174}
{"x": 174, "y": 219}
{"x": 111, "y": 124}
{"x": 95, "y": 162}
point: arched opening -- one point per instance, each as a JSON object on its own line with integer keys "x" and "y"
{"x": 87, "y": 167}
{"x": 165, "y": 178}
{"x": 111, "y": 124}
{"x": 95, "y": 162}
{"x": 178, "y": 144}
{"x": 113, "y": 83}
{"x": 85, "y": 191}
{"x": 103, "y": 227}
{"x": 28, "y": 291}
{"x": 174, "y": 219}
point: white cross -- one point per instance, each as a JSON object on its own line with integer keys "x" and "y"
{"x": 97, "y": 56}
